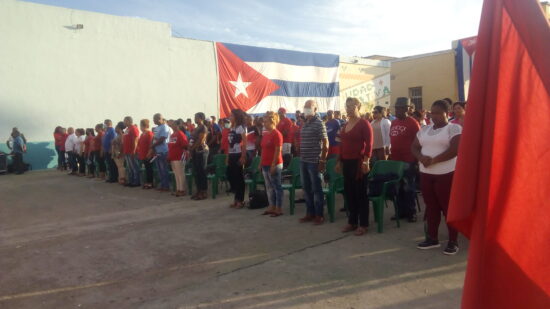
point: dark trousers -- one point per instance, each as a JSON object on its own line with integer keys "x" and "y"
{"x": 18, "y": 163}
{"x": 406, "y": 195}
{"x": 73, "y": 163}
{"x": 113, "y": 170}
{"x": 236, "y": 176}
{"x": 91, "y": 163}
{"x": 60, "y": 157}
{"x": 286, "y": 160}
{"x": 99, "y": 161}
{"x": 436, "y": 190}
{"x": 199, "y": 168}
{"x": 212, "y": 151}
{"x": 355, "y": 190}
{"x": 81, "y": 163}
{"x": 148, "y": 171}
{"x": 250, "y": 154}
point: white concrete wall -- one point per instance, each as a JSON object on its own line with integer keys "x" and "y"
{"x": 51, "y": 74}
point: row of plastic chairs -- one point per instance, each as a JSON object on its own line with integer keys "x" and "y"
{"x": 334, "y": 186}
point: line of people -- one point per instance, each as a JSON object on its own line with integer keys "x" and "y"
{"x": 353, "y": 142}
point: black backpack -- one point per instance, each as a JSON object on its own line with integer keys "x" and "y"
{"x": 257, "y": 199}
{"x": 377, "y": 183}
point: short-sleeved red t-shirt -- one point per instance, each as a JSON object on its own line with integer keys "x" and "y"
{"x": 176, "y": 144}
{"x": 144, "y": 144}
{"x": 129, "y": 139}
{"x": 58, "y": 137}
{"x": 98, "y": 141}
{"x": 402, "y": 135}
{"x": 63, "y": 140}
{"x": 270, "y": 140}
{"x": 285, "y": 128}
{"x": 88, "y": 144}
{"x": 225, "y": 140}
{"x": 357, "y": 142}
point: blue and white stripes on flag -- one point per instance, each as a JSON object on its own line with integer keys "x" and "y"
{"x": 464, "y": 59}
{"x": 300, "y": 76}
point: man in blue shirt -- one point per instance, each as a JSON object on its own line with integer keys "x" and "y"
{"x": 214, "y": 138}
{"x": 333, "y": 126}
{"x": 160, "y": 147}
{"x": 106, "y": 151}
{"x": 19, "y": 148}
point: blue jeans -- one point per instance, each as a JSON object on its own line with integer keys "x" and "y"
{"x": 273, "y": 185}
{"x": 133, "y": 169}
{"x": 313, "y": 190}
{"x": 162, "y": 167}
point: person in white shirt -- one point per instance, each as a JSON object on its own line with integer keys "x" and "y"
{"x": 436, "y": 148}
{"x": 78, "y": 149}
{"x": 381, "y": 134}
{"x": 69, "y": 148}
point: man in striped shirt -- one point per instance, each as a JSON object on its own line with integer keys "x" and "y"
{"x": 313, "y": 155}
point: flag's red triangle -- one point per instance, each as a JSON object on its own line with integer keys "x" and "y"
{"x": 231, "y": 71}
{"x": 500, "y": 196}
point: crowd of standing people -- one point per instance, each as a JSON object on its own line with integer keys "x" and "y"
{"x": 427, "y": 142}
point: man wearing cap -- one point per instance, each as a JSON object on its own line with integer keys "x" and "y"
{"x": 285, "y": 127}
{"x": 402, "y": 134}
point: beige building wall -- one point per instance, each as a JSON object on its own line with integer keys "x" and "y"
{"x": 52, "y": 73}
{"x": 434, "y": 72}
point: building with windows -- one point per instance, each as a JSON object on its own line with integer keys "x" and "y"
{"x": 424, "y": 78}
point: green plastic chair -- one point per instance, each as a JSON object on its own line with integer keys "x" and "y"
{"x": 378, "y": 202}
{"x": 256, "y": 177}
{"x": 219, "y": 173}
{"x": 295, "y": 182}
{"x": 335, "y": 186}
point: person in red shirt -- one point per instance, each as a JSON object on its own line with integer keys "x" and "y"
{"x": 225, "y": 134}
{"x": 356, "y": 139}
{"x": 402, "y": 135}
{"x": 285, "y": 127}
{"x": 63, "y": 149}
{"x": 88, "y": 147}
{"x": 272, "y": 164}
{"x": 190, "y": 125}
{"x": 145, "y": 153}
{"x": 59, "y": 138}
{"x": 96, "y": 151}
{"x": 177, "y": 155}
{"x": 129, "y": 143}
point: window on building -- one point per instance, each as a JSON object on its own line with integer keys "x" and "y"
{"x": 415, "y": 93}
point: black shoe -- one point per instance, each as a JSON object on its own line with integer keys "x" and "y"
{"x": 134, "y": 185}
{"x": 428, "y": 244}
{"x": 300, "y": 201}
{"x": 343, "y": 209}
{"x": 400, "y": 217}
{"x": 110, "y": 181}
{"x": 412, "y": 218}
{"x": 452, "y": 248}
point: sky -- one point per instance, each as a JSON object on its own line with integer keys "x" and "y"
{"x": 395, "y": 28}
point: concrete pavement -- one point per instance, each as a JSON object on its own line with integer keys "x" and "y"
{"x": 69, "y": 242}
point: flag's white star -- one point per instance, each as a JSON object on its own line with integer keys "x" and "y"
{"x": 240, "y": 86}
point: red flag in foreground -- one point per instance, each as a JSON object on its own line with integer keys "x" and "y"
{"x": 501, "y": 191}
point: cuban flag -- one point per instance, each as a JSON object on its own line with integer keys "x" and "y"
{"x": 257, "y": 79}
{"x": 465, "y": 52}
